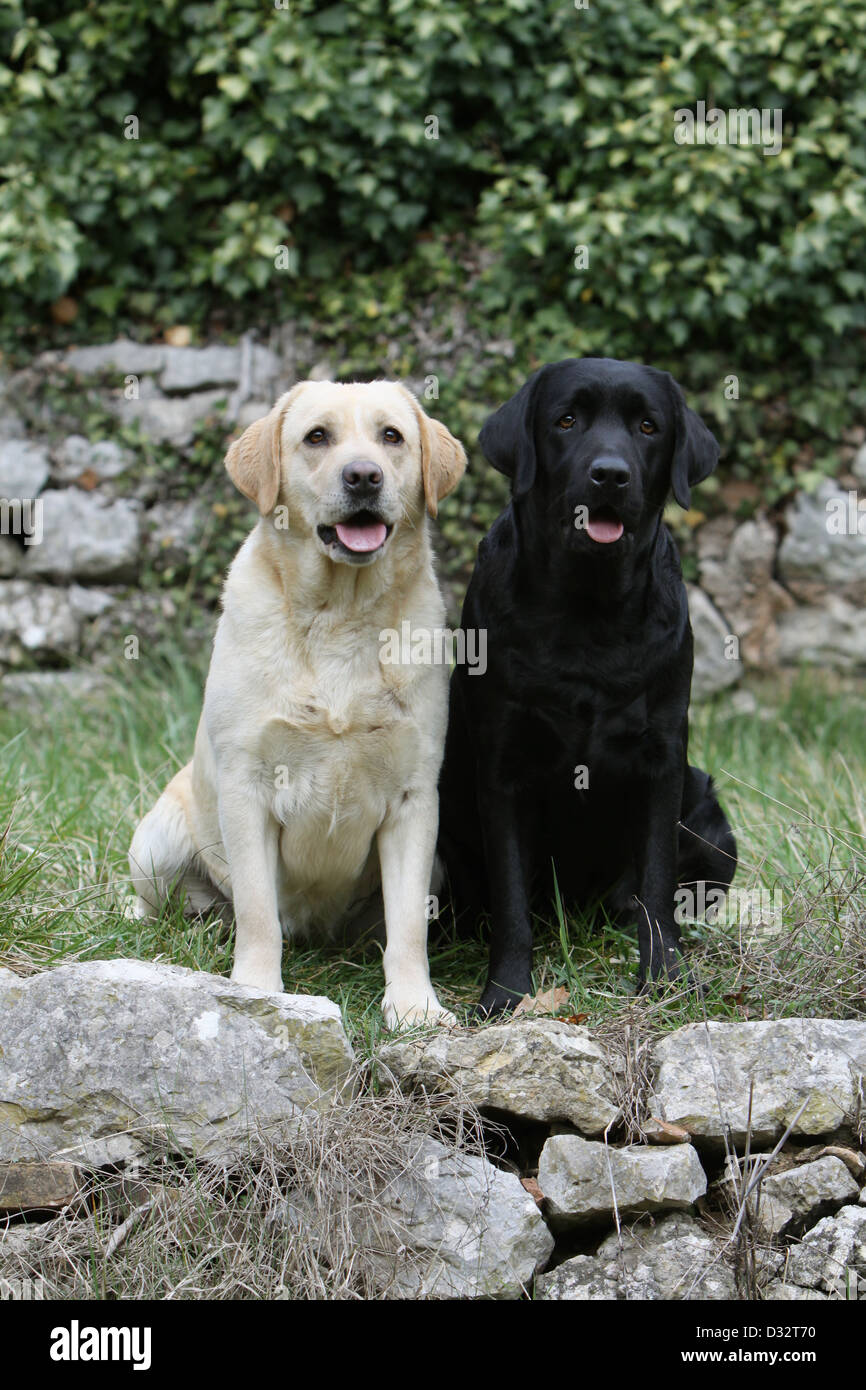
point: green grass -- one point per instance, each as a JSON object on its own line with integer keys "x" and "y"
{"x": 75, "y": 778}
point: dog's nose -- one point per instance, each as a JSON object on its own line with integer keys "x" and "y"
{"x": 612, "y": 471}
{"x": 362, "y": 477}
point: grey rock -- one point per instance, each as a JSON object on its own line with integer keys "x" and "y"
{"x": 84, "y": 536}
{"x": 251, "y": 411}
{"x": 11, "y": 424}
{"x": 792, "y": 1199}
{"x": 24, "y": 689}
{"x": 832, "y": 635}
{"x": 266, "y": 372}
{"x": 11, "y": 557}
{"x": 713, "y": 670}
{"x": 24, "y": 468}
{"x": 90, "y": 603}
{"x": 194, "y": 369}
{"x": 736, "y": 570}
{"x": 123, "y": 357}
{"x": 174, "y": 528}
{"x": 37, "y": 1186}
{"x": 37, "y": 622}
{"x": 169, "y": 420}
{"x": 673, "y": 1259}
{"x": 830, "y": 1258}
{"x": 536, "y": 1069}
{"x": 456, "y": 1227}
{"x": 586, "y": 1181}
{"x": 96, "y": 1056}
{"x": 813, "y": 558}
{"x": 703, "y": 1073}
{"x": 776, "y": 1292}
{"x": 104, "y": 457}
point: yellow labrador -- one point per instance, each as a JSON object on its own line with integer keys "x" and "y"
{"x": 313, "y": 780}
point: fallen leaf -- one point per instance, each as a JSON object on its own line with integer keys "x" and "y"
{"x": 533, "y": 1189}
{"x": 64, "y": 310}
{"x": 546, "y": 1002}
{"x": 87, "y": 480}
{"x": 854, "y": 1162}
{"x": 660, "y": 1132}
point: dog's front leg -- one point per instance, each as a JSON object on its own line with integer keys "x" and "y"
{"x": 507, "y": 858}
{"x": 657, "y": 929}
{"x": 251, "y": 839}
{"x": 407, "y": 841}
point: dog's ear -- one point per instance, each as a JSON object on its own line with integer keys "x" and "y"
{"x": 508, "y": 437}
{"x": 443, "y": 458}
{"x": 696, "y": 449}
{"x": 253, "y": 461}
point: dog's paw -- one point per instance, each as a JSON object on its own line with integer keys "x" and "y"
{"x": 497, "y": 1000}
{"x": 265, "y": 980}
{"x": 410, "y": 1012}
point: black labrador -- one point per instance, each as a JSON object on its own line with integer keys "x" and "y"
{"x": 569, "y": 754}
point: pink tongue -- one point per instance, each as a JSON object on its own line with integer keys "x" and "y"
{"x": 605, "y": 532}
{"x": 368, "y": 537}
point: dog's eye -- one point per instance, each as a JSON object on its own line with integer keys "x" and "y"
{"x": 647, "y": 427}
{"x": 392, "y": 436}
{"x": 316, "y": 436}
{"x": 565, "y": 422}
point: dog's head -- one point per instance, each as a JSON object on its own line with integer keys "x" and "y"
{"x": 597, "y": 444}
{"x": 352, "y": 463}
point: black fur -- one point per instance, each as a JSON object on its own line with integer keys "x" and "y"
{"x": 589, "y": 664}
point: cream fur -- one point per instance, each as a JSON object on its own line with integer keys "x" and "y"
{"x": 313, "y": 779}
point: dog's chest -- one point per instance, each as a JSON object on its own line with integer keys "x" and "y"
{"x": 337, "y": 748}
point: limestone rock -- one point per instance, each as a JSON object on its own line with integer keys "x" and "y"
{"x": 194, "y": 369}
{"x": 122, "y": 357}
{"x": 36, "y": 1186}
{"x": 671, "y": 1259}
{"x": 456, "y": 1227}
{"x": 831, "y": 1258}
{"x": 85, "y": 537}
{"x": 37, "y": 622}
{"x": 797, "y": 1196}
{"x": 173, "y": 529}
{"x": 819, "y": 1061}
{"x": 822, "y": 553}
{"x": 736, "y": 570}
{"x": 713, "y": 670}
{"x": 104, "y": 457}
{"x": 11, "y": 557}
{"x": 96, "y": 1055}
{"x": 24, "y": 468}
{"x": 585, "y": 1181}
{"x": 169, "y": 420}
{"x": 833, "y": 635}
{"x": 538, "y": 1069}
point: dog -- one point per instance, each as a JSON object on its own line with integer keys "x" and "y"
{"x": 312, "y": 786}
{"x": 570, "y": 753}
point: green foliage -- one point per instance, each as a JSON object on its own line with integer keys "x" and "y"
{"x": 305, "y": 126}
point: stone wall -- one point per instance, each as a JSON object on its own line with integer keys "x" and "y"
{"x": 601, "y": 1174}
{"x": 788, "y": 589}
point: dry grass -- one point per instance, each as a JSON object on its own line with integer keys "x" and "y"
{"x": 302, "y": 1219}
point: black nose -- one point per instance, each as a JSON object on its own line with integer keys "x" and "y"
{"x": 612, "y": 471}
{"x": 362, "y": 478}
